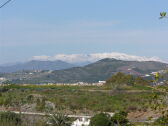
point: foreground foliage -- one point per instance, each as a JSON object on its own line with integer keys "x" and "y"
{"x": 120, "y": 119}
{"x": 75, "y": 98}
{"x": 58, "y": 119}
{"x": 103, "y": 119}
{"x": 120, "y": 93}
{"x": 9, "y": 118}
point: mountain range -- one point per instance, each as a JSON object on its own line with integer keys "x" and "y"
{"x": 36, "y": 65}
{"x": 94, "y": 72}
{"x": 65, "y": 61}
{"x": 93, "y": 57}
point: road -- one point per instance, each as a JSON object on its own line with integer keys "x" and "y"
{"x": 44, "y": 114}
{"x": 71, "y": 116}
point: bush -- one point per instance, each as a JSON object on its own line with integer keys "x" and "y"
{"x": 101, "y": 119}
{"x": 162, "y": 121}
{"x": 30, "y": 98}
{"x": 9, "y": 117}
{"x": 120, "y": 119}
{"x": 7, "y": 100}
{"x": 141, "y": 81}
{"x": 3, "y": 89}
{"x": 121, "y": 79}
{"x": 40, "y": 104}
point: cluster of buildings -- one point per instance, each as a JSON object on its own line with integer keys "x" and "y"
{"x": 100, "y": 83}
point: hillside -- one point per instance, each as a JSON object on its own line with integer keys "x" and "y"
{"x": 94, "y": 72}
{"x": 36, "y": 65}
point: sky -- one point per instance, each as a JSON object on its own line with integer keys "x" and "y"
{"x": 31, "y": 28}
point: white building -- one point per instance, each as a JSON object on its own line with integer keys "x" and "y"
{"x": 102, "y": 82}
{"x": 147, "y": 75}
{"x": 81, "y": 122}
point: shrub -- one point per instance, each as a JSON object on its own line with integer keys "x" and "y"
{"x": 58, "y": 119}
{"x": 121, "y": 79}
{"x": 3, "y": 89}
{"x": 30, "y": 98}
{"x": 101, "y": 119}
{"x": 162, "y": 121}
{"x": 40, "y": 104}
{"x": 9, "y": 117}
{"x": 120, "y": 119}
{"x": 7, "y": 100}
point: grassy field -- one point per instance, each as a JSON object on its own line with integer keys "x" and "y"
{"x": 86, "y": 100}
{"x": 76, "y": 99}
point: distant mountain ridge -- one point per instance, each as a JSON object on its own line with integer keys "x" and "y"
{"x": 36, "y": 65}
{"x": 100, "y": 70}
{"x": 93, "y": 57}
{"x": 65, "y": 61}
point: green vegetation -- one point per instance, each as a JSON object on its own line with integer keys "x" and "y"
{"x": 100, "y": 70}
{"x": 121, "y": 79}
{"x": 120, "y": 119}
{"x": 9, "y": 118}
{"x": 101, "y": 119}
{"x": 12, "y": 119}
{"x": 120, "y": 93}
{"x": 160, "y": 102}
{"x": 40, "y": 104}
{"x": 163, "y": 15}
{"x": 58, "y": 119}
{"x": 131, "y": 94}
{"x": 162, "y": 121}
{"x": 75, "y": 98}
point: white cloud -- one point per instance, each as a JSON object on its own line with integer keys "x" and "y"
{"x": 80, "y": 58}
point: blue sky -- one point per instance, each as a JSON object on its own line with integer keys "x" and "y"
{"x": 47, "y": 27}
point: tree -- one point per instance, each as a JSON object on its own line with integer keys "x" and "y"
{"x": 160, "y": 102}
{"x": 120, "y": 119}
{"x": 119, "y": 79}
{"x": 101, "y": 119}
{"x": 159, "y": 99}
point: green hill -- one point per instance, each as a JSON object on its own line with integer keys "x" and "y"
{"x": 100, "y": 70}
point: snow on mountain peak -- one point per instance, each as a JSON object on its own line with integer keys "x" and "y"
{"x": 80, "y": 58}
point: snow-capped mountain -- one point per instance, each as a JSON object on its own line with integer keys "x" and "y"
{"x": 82, "y": 58}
